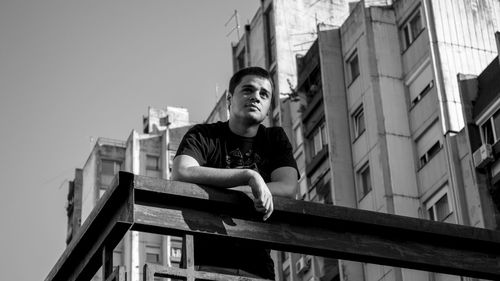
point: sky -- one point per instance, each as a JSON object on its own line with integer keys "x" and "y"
{"x": 72, "y": 71}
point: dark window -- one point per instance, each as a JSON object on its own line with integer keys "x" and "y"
{"x": 364, "y": 181}
{"x": 411, "y": 29}
{"x": 353, "y": 64}
{"x": 440, "y": 210}
{"x": 358, "y": 122}
{"x": 152, "y": 162}
{"x": 431, "y": 152}
{"x": 153, "y": 254}
{"x": 491, "y": 129}
{"x": 270, "y": 37}
{"x": 241, "y": 59}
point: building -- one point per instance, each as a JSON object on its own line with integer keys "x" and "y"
{"x": 220, "y": 112}
{"x": 382, "y": 115}
{"x": 147, "y": 153}
{"x": 278, "y": 32}
{"x": 480, "y": 141}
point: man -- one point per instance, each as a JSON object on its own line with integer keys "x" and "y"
{"x": 241, "y": 154}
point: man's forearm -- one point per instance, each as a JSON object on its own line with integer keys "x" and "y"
{"x": 229, "y": 178}
{"x": 226, "y": 178}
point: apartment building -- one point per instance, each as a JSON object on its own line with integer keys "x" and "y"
{"x": 480, "y": 142}
{"x": 148, "y": 153}
{"x": 278, "y": 32}
{"x": 384, "y": 87}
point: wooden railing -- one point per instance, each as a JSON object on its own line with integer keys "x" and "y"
{"x": 174, "y": 208}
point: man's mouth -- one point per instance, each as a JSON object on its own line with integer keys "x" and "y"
{"x": 253, "y": 106}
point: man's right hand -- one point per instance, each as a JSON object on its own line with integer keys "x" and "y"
{"x": 263, "y": 199}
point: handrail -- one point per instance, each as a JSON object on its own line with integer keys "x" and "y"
{"x": 176, "y": 208}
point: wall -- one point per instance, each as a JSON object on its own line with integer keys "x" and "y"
{"x": 89, "y": 179}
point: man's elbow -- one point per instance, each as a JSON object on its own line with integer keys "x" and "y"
{"x": 179, "y": 174}
{"x": 290, "y": 190}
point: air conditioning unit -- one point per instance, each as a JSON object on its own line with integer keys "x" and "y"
{"x": 483, "y": 156}
{"x": 303, "y": 265}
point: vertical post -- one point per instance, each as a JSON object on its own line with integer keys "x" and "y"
{"x": 188, "y": 256}
{"x": 107, "y": 262}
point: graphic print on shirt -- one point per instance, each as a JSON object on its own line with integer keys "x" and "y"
{"x": 249, "y": 160}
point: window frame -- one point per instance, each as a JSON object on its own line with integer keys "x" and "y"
{"x": 361, "y": 187}
{"x": 431, "y": 204}
{"x": 349, "y": 63}
{"x": 152, "y": 250}
{"x": 422, "y": 94}
{"x": 269, "y": 24}
{"x": 490, "y": 122}
{"x": 406, "y": 29}
{"x": 319, "y": 139}
{"x": 358, "y": 117}
{"x": 430, "y": 153}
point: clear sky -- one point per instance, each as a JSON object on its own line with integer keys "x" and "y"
{"x": 72, "y": 70}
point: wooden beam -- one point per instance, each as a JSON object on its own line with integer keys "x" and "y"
{"x": 170, "y": 207}
{"x": 106, "y": 225}
{"x": 152, "y": 270}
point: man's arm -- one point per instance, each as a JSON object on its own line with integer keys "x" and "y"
{"x": 283, "y": 180}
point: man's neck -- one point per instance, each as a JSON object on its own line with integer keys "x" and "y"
{"x": 242, "y": 129}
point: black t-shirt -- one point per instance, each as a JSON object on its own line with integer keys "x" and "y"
{"x": 214, "y": 145}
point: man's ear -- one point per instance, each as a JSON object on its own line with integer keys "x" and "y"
{"x": 228, "y": 98}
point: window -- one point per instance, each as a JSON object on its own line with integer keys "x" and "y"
{"x": 270, "y": 37}
{"x": 175, "y": 254}
{"x": 433, "y": 150}
{"x": 490, "y": 130}
{"x": 241, "y": 59}
{"x": 153, "y": 254}
{"x": 353, "y": 65}
{"x": 152, "y": 166}
{"x": 109, "y": 169}
{"x": 364, "y": 182}
{"x": 419, "y": 85}
{"x": 411, "y": 29}
{"x": 439, "y": 208}
{"x": 428, "y": 144}
{"x": 297, "y": 129}
{"x": 359, "y": 122}
{"x": 422, "y": 93}
{"x": 319, "y": 139}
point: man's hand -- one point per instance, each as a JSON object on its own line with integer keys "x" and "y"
{"x": 263, "y": 199}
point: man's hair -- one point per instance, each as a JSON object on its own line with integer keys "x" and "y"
{"x": 252, "y": 70}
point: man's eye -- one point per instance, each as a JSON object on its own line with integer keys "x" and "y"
{"x": 264, "y": 94}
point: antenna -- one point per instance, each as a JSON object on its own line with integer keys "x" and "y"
{"x": 237, "y": 26}
{"x": 216, "y": 93}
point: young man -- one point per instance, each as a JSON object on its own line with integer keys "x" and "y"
{"x": 241, "y": 154}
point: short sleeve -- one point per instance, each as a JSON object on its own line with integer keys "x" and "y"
{"x": 194, "y": 144}
{"x": 282, "y": 150}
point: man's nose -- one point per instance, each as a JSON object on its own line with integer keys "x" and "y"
{"x": 255, "y": 95}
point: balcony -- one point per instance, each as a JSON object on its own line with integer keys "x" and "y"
{"x": 174, "y": 208}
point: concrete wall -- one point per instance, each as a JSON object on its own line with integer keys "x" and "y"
{"x": 89, "y": 181}
{"x": 462, "y": 33}
{"x": 336, "y": 116}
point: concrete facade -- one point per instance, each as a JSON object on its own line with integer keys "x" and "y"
{"x": 479, "y": 143}
{"x": 220, "y": 112}
{"x": 279, "y": 31}
{"x": 149, "y": 153}
{"x": 389, "y": 100}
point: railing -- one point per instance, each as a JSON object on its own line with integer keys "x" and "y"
{"x": 174, "y": 208}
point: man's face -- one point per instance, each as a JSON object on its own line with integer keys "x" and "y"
{"x": 251, "y": 100}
